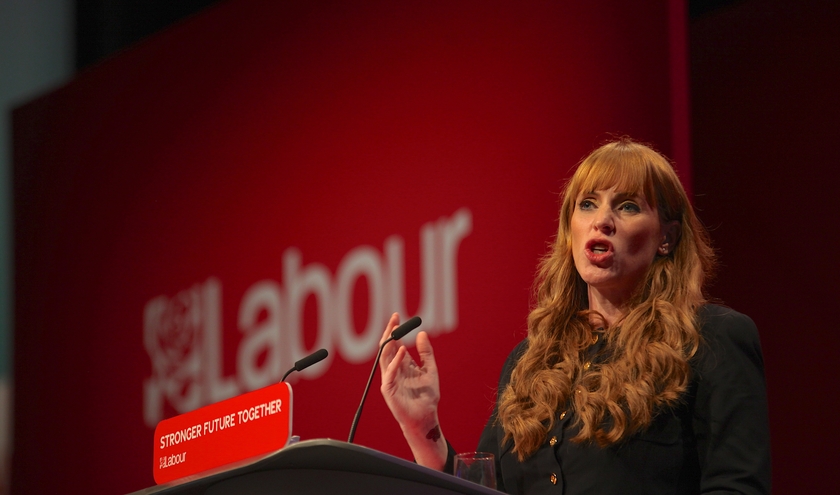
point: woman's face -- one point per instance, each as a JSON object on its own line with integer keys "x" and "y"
{"x": 615, "y": 238}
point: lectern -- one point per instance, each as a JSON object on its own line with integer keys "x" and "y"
{"x": 324, "y": 467}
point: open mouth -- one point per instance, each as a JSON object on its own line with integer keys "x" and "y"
{"x": 599, "y": 246}
{"x": 599, "y": 251}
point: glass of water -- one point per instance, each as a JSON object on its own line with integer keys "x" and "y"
{"x": 478, "y": 467}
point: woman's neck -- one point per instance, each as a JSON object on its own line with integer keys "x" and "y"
{"x": 610, "y": 306}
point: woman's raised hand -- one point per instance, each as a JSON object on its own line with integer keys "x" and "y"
{"x": 412, "y": 392}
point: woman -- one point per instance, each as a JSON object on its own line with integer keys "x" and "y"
{"x": 628, "y": 381}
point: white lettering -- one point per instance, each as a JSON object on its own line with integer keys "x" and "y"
{"x": 183, "y": 334}
{"x": 361, "y": 261}
{"x": 300, "y": 283}
{"x": 452, "y": 232}
{"x": 173, "y": 459}
{"x": 259, "y": 411}
{"x": 220, "y": 423}
{"x": 179, "y": 436}
{"x": 215, "y": 387}
{"x": 261, "y": 336}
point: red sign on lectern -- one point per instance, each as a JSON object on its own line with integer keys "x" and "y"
{"x": 232, "y": 430}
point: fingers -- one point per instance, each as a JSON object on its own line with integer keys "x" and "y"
{"x": 390, "y": 348}
{"x": 424, "y": 349}
{"x": 392, "y": 324}
{"x": 393, "y": 374}
{"x": 401, "y": 360}
{"x": 395, "y": 357}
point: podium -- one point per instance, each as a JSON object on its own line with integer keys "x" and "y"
{"x": 323, "y": 467}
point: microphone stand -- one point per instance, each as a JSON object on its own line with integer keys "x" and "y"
{"x": 397, "y": 334}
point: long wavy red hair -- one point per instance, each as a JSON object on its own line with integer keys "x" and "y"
{"x": 648, "y": 349}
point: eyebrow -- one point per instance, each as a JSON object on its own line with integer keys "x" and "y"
{"x": 619, "y": 195}
{"x": 625, "y": 195}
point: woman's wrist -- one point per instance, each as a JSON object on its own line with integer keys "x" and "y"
{"x": 427, "y": 443}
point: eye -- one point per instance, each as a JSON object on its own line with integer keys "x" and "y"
{"x": 586, "y": 204}
{"x": 629, "y": 206}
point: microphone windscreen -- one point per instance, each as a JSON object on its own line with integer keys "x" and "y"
{"x": 406, "y": 327}
{"x": 311, "y": 359}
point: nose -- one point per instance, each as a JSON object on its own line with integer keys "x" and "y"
{"x": 604, "y": 221}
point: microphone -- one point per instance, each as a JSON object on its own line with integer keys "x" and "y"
{"x": 397, "y": 334}
{"x": 307, "y": 361}
{"x": 403, "y": 330}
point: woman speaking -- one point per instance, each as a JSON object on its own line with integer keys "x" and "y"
{"x": 629, "y": 381}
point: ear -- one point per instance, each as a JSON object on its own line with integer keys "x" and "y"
{"x": 670, "y": 237}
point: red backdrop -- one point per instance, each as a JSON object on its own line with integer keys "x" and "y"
{"x": 269, "y": 178}
{"x": 765, "y": 105}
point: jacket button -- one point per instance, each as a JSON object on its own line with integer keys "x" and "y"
{"x": 553, "y": 479}
{"x": 562, "y": 415}
{"x": 553, "y": 441}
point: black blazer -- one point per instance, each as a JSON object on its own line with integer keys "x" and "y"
{"x": 716, "y": 441}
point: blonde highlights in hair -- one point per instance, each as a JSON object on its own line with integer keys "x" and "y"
{"x": 646, "y": 367}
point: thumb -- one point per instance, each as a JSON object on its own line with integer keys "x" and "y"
{"x": 424, "y": 349}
